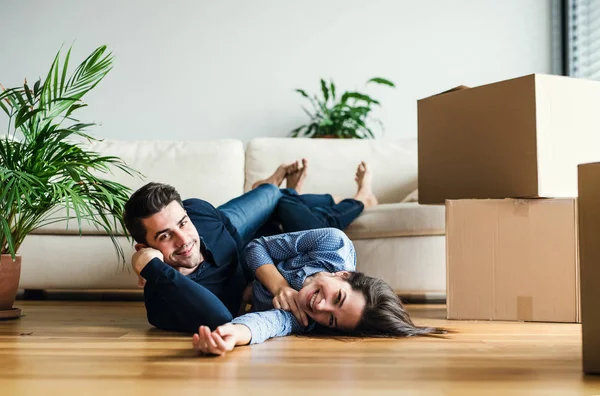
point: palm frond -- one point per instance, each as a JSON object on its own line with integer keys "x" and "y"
{"x": 49, "y": 175}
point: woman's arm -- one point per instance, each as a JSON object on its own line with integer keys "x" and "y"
{"x": 271, "y": 278}
{"x": 252, "y": 328}
{"x": 284, "y": 296}
{"x": 222, "y": 340}
{"x": 328, "y": 246}
{"x": 270, "y": 324}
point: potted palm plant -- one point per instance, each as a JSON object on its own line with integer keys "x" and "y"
{"x": 47, "y": 174}
{"x": 346, "y": 116}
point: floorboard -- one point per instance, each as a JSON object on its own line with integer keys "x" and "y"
{"x": 106, "y": 348}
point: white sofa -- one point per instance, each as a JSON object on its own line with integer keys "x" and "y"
{"x": 402, "y": 243}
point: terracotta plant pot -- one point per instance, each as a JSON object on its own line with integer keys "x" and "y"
{"x": 10, "y": 274}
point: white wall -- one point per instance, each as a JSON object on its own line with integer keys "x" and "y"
{"x": 204, "y": 69}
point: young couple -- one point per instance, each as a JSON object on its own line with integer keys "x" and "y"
{"x": 196, "y": 262}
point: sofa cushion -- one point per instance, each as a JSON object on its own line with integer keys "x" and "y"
{"x": 212, "y": 170}
{"x": 397, "y": 220}
{"x": 333, "y": 162}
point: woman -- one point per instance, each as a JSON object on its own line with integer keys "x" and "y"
{"x": 305, "y": 281}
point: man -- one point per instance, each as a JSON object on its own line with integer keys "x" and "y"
{"x": 190, "y": 255}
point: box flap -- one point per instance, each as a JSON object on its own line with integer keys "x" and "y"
{"x": 455, "y": 89}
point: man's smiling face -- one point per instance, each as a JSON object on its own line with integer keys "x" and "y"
{"x": 172, "y": 233}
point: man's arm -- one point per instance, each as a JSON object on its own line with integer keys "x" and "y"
{"x": 141, "y": 258}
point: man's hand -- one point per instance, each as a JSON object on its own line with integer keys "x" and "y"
{"x": 222, "y": 340}
{"x": 141, "y": 258}
{"x": 285, "y": 299}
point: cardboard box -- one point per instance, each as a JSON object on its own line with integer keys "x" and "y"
{"x": 589, "y": 253}
{"x": 512, "y": 259}
{"x": 518, "y": 138}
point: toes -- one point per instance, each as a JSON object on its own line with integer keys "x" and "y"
{"x": 283, "y": 168}
{"x": 360, "y": 170}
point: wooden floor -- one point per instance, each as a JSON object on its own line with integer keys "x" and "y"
{"x": 106, "y": 348}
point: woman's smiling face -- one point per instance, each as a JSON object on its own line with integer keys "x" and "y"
{"x": 330, "y": 300}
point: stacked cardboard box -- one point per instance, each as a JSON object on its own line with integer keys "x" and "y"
{"x": 503, "y": 158}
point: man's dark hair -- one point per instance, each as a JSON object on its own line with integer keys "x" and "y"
{"x": 145, "y": 202}
{"x": 384, "y": 314}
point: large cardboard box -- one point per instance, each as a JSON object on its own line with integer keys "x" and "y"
{"x": 518, "y": 138}
{"x": 589, "y": 253}
{"x": 512, "y": 259}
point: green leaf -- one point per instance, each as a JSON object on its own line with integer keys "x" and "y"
{"x": 64, "y": 72}
{"x": 379, "y": 80}
{"x": 325, "y": 90}
{"x": 332, "y": 87}
{"x": 55, "y": 80}
{"x": 73, "y": 108}
{"x": 3, "y": 107}
{"x": 20, "y": 114}
{"x": 7, "y": 239}
{"x": 360, "y": 96}
{"x": 310, "y": 129}
{"x": 296, "y": 131}
{"x": 28, "y": 93}
{"x": 36, "y": 87}
{"x": 26, "y": 117}
{"x": 325, "y": 122}
{"x": 16, "y": 94}
{"x": 303, "y": 93}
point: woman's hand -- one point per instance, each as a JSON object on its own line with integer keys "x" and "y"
{"x": 220, "y": 341}
{"x": 285, "y": 299}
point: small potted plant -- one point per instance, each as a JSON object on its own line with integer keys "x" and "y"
{"x": 47, "y": 174}
{"x": 346, "y": 116}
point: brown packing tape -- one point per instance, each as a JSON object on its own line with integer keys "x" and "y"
{"x": 525, "y": 308}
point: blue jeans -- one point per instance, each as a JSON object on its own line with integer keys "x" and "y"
{"x": 182, "y": 303}
{"x": 309, "y": 211}
{"x": 268, "y": 210}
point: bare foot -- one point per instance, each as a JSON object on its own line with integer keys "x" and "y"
{"x": 276, "y": 178}
{"x": 364, "y": 180}
{"x": 296, "y": 174}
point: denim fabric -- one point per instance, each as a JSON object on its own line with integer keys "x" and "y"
{"x": 250, "y": 211}
{"x": 311, "y": 211}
